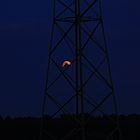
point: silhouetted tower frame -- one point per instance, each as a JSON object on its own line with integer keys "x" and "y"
{"x": 78, "y": 45}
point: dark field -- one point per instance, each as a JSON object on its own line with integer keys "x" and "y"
{"x": 29, "y": 128}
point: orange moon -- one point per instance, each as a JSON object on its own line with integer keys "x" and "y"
{"x": 66, "y": 62}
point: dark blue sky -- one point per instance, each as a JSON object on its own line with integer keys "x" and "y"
{"x": 24, "y": 35}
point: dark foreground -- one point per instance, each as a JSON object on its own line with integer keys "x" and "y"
{"x": 29, "y": 128}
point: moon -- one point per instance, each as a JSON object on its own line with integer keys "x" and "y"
{"x": 66, "y": 62}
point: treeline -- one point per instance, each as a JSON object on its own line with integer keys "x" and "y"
{"x": 28, "y": 128}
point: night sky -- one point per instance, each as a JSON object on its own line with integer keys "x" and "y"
{"x": 24, "y": 36}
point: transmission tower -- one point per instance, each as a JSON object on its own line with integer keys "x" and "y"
{"x": 79, "y": 84}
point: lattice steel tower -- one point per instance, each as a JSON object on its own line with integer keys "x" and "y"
{"x": 79, "y": 92}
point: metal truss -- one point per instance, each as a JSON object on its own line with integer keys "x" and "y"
{"x": 78, "y": 27}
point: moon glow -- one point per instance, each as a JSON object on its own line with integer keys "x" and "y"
{"x": 66, "y": 62}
